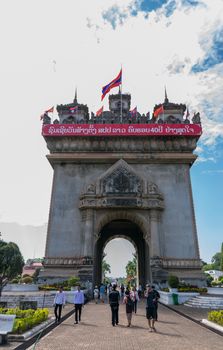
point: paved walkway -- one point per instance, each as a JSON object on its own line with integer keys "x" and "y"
{"x": 95, "y": 332}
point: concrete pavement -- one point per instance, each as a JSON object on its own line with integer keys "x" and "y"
{"x": 96, "y": 332}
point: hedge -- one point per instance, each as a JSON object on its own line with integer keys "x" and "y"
{"x": 216, "y": 317}
{"x": 26, "y": 319}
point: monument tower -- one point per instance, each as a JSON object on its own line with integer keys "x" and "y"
{"x": 122, "y": 176}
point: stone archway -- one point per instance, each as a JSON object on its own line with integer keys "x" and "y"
{"x": 131, "y": 231}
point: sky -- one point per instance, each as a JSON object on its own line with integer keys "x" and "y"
{"x": 50, "y": 47}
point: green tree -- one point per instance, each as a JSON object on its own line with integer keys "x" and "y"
{"x": 131, "y": 270}
{"x": 216, "y": 261}
{"x": 106, "y": 268}
{"x": 208, "y": 267}
{"x": 36, "y": 274}
{"x": 11, "y": 262}
{"x": 221, "y": 262}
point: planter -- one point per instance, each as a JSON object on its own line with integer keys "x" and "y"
{"x": 167, "y": 297}
{"x": 21, "y": 288}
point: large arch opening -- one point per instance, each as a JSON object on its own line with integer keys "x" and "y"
{"x": 130, "y": 231}
{"x": 117, "y": 253}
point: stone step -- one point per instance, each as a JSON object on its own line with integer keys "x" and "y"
{"x": 205, "y": 302}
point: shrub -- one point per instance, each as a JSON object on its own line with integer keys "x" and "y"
{"x": 215, "y": 283}
{"x": 216, "y": 317}
{"x": 52, "y": 287}
{"x": 14, "y": 281}
{"x": 27, "y": 280}
{"x": 192, "y": 290}
{"x": 173, "y": 281}
{"x": 72, "y": 282}
{"x": 26, "y": 319}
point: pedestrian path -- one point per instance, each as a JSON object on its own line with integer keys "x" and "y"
{"x": 95, "y": 332}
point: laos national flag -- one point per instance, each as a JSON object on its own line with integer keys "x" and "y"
{"x": 116, "y": 82}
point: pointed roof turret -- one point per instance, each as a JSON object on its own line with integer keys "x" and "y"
{"x": 75, "y": 97}
{"x": 166, "y": 100}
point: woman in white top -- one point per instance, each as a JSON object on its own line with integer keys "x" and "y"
{"x": 96, "y": 294}
{"x": 135, "y": 298}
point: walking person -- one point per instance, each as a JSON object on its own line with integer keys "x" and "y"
{"x": 59, "y": 302}
{"x": 114, "y": 298}
{"x": 140, "y": 291}
{"x": 102, "y": 293}
{"x": 157, "y": 296}
{"x": 150, "y": 308}
{"x": 122, "y": 289}
{"x": 78, "y": 303}
{"x": 128, "y": 307}
{"x": 96, "y": 294}
{"x": 135, "y": 298}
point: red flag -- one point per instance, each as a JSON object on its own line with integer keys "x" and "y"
{"x": 50, "y": 110}
{"x": 115, "y": 82}
{"x": 73, "y": 109}
{"x": 133, "y": 112}
{"x": 158, "y": 111}
{"x": 100, "y": 111}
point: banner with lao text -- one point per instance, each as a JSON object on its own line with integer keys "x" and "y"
{"x": 121, "y": 130}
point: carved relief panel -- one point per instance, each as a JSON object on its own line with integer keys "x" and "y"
{"x": 121, "y": 187}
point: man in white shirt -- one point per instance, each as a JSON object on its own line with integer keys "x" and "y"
{"x": 59, "y": 301}
{"x": 78, "y": 302}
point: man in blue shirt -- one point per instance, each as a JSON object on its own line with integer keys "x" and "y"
{"x": 59, "y": 301}
{"x": 78, "y": 303}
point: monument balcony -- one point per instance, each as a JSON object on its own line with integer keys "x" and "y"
{"x": 68, "y": 262}
{"x": 181, "y": 263}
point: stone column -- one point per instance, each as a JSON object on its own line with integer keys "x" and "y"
{"x": 88, "y": 233}
{"x": 147, "y": 261}
{"x": 154, "y": 231}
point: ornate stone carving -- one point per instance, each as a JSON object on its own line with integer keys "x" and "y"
{"x": 152, "y": 188}
{"x": 134, "y": 146}
{"x": 61, "y": 261}
{"x": 196, "y": 118}
{"x": 156, "y": 261}
{"x": 122, "y": 180}
{"x": 121, "y": 187}
{"x": 182, "y": 263}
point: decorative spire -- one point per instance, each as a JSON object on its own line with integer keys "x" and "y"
{"x": 75, "y": 97}
{"x": 166, "y": 98}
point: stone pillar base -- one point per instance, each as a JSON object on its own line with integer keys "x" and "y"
{"x": 57, "y": 270}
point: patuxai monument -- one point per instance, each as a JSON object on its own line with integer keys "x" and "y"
{"x": 123, "y": 174}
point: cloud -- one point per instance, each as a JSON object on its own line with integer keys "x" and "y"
{"x": 217, "y": 171}
{"x": 202, "y": 159}
{"x": 213, "y": 53}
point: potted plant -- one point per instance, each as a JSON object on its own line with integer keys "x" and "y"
{"x": 173, "y": 282}
{"x": 72, "y": 282}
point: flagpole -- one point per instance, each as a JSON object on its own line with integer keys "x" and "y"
{"x": 121, "y": 98}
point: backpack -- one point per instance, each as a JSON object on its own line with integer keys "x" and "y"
{"x": 129, "y": 302}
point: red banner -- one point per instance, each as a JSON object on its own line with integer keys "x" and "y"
{"x": 121, "y": 130}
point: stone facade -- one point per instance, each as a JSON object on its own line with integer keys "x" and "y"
{"x": 133, "y": 187}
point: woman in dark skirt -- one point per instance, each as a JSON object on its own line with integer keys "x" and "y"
{"x": 129, "y": 307}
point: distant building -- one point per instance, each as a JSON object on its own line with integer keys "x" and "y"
{"x": 215, "y": 274}
{"x": 30, "y": 267}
